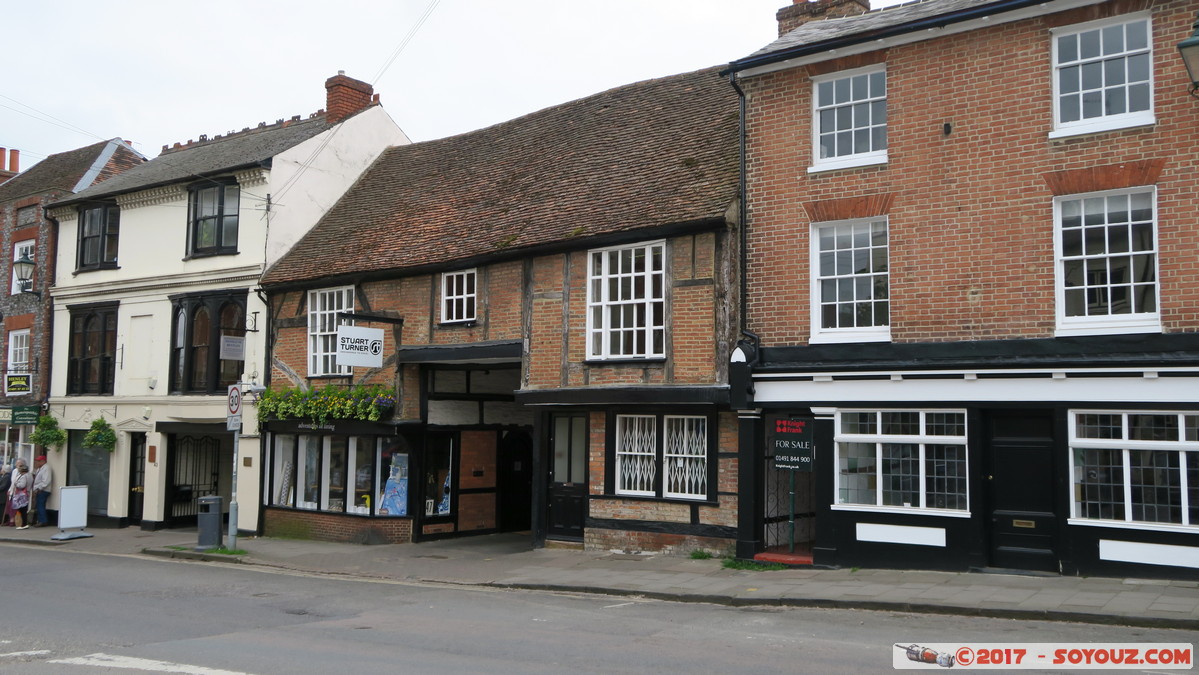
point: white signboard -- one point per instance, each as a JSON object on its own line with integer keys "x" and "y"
{"x": 233, "y": 348}
{"x": 357, "y": 346}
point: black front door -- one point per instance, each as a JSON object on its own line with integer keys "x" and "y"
{"x": 137, "y": 476}
{"x": 568, "y": 476}
{"x": 1020, "y": 485}
{"x": 515, "y": 481}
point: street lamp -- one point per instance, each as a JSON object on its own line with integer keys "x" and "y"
{"x": 1188, "y": 49}
{"x": 23, "y": 266}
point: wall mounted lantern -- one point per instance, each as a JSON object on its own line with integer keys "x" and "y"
{"x": 23, "y": 266}
{"x": 1188, "y": 49}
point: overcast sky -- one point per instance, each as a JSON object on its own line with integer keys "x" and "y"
{"x": 157, "y": 72}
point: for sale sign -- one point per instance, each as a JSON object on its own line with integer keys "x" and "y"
{"x": 358, "y": 346}
{"x": 790, "y": 440}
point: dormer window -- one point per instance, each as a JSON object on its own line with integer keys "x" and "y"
{"x": 213, "y": 209}
{"x": 99, "y": 232}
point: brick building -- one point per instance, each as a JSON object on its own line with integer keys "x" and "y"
{"x": 563, "y": 282}
{"x": 25, "y": 231}
{"x": 972, "y": 227}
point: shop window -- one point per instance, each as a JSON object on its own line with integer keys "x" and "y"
{"x": 902, "y": 459}
{"x": 1135, "y": 468}
{"x": 361, "y": 475}
{"x": 439, "y": 476}
{"x": 664, "y": 456}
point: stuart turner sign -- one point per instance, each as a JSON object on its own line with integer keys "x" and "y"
{"x": 357, "y": 346}
{"x": 789, "y": 439}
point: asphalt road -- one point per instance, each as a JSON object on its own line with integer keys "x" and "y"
{"x": 72, "y": 613}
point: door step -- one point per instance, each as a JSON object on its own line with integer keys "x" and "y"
{"x": 563, "y": 544}
{"x": 796, "y": 559}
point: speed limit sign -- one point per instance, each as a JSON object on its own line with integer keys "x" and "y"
{"x": 233, "y": 408}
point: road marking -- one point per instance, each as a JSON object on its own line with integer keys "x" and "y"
{"x": 130, "y": 663}
{"x": 37, "y": 652}
{"x": 623, "y": 604}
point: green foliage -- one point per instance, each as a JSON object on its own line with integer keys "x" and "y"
{"x": 751, "y": 565}
{"x": 698, "y": 554}
{"x": 370, "y": 403}
{"x": 101, "y": 435}
{"x": 47, "y": 433}
{"x": 227, "y": 551}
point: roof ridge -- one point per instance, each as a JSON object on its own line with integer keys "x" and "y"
{"x": 247, "y": 131}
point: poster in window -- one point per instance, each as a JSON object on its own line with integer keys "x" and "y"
{"x": 394, "y": 500}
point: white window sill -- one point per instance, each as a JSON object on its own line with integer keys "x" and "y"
{"x": 1126, "y": 525}
{"x": 836, "y": 337}
{"x": 853, "y": 162}
{"x": 906, "y": 510}
{"x": 1152, "y": 325}
{"x": 1103, "y": 124}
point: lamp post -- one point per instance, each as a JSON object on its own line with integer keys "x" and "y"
{"x": 23, "y": 267}
{"x": 1188, "y": 49}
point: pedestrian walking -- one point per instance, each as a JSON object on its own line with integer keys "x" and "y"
{"x": 5, "y": 484}
{"x": 42, "y": 478}
{"x": 19, "y": 493}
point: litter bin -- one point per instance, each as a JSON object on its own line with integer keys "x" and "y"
{"x": 208, "y": 523}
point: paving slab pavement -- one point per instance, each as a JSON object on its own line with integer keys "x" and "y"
{"x": 510, "y": 561}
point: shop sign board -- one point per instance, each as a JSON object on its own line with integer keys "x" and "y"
{"x": 791, "y": 441}
{"x": 18, "y": 384}
{"x": 25, "y": 414}
{"x": 358, "y": 346}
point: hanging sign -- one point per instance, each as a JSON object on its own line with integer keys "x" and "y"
{"x": 791, "y": 440}
{"x": 358, "y": 346}
{"x": 18, "y": 384}
{"x": 26, "y": 414}
{"x": 233, "y": 348}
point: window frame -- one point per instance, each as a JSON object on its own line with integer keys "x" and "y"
{"x": 869, "y": 158}
{"x": 285, "y": 469}
{"x": 658, "y": 485}
{"x": 467, "y": 282}
{"x": 79, "y": 361}
{"x": 218, "y": 219}
{"x": 107, "y": 239}
{"x": 1184, "y": 446}
{"x": 601, "y": 308}
{"x": 322, "y": 342}
{"x": 821, "y": 334}
{"x": 183, "y": 365}
{"x": 18, "y": 345}
{"x": 1109, "y": 324}
{"x": 879, "y": 438}
{"x": 26, "y": 246}
{"x": 1104, "y": 122}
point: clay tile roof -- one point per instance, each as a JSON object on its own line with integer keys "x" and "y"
{"x": 208, "y": 157}
{"x": 60, "y": 171}
{"x": 650, "y": 154}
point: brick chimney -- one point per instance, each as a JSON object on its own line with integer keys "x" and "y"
{"x": 12, "y": 166}
{"x": 345, "y": 96}
{"x": 803, "y": 11}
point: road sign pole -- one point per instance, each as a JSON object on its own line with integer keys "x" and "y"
{"x": 234, "y": 421}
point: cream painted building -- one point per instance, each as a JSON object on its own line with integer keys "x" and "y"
{"x": 156, "y": 308}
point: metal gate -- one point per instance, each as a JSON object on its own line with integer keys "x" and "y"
{"x": 777, "y": 534}
{"x": 195, "y": 472}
